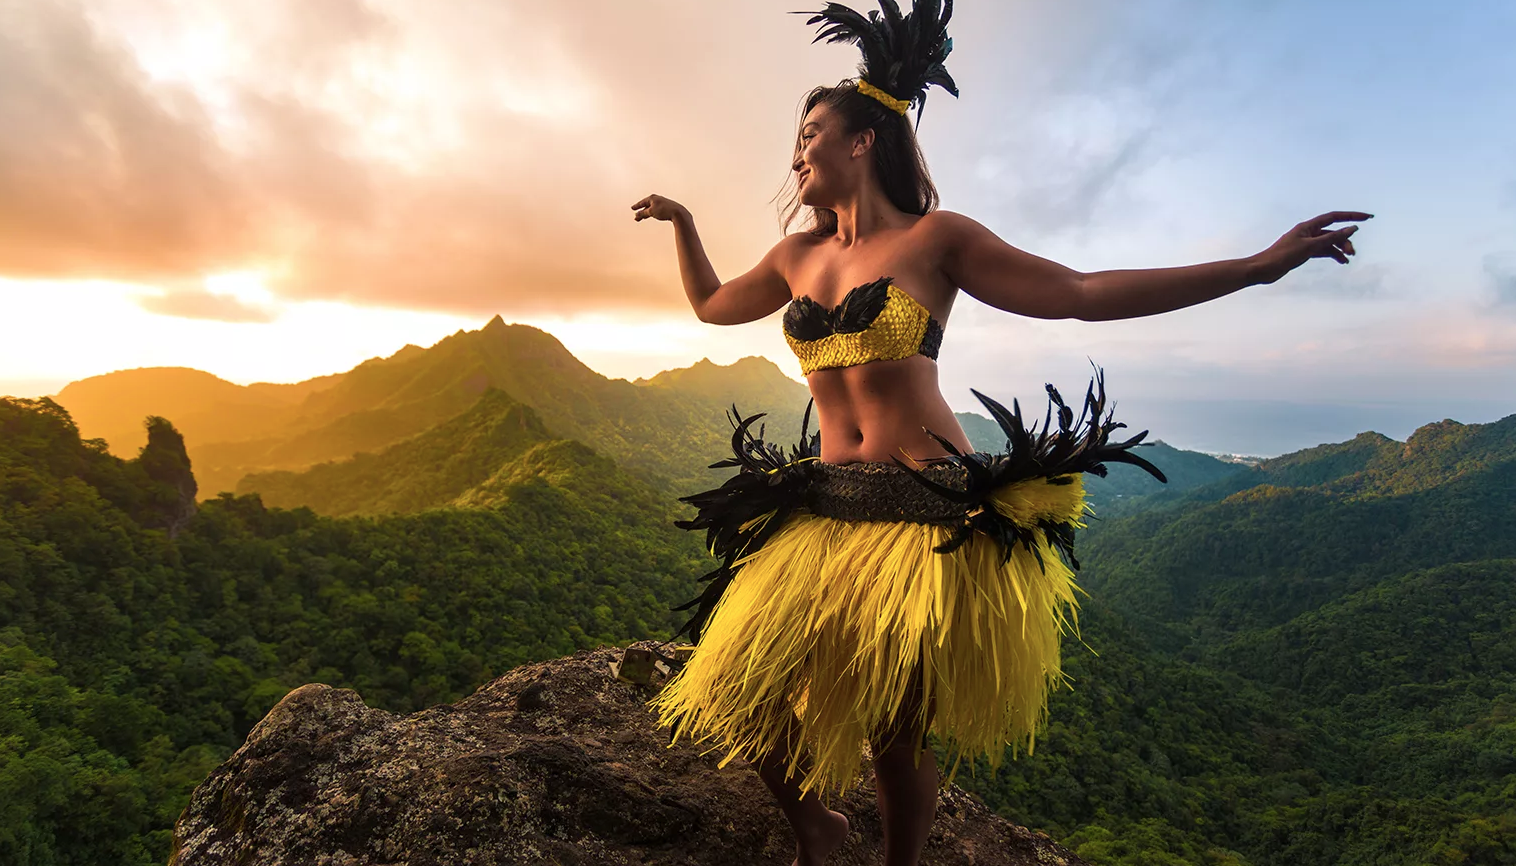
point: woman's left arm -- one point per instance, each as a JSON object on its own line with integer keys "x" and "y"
{"x": 1006, "y": 278}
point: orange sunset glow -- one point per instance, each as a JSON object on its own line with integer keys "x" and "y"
{"x": 275, "y": 192}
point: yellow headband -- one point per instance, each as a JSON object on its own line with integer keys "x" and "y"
{"x": 898, "y": 105}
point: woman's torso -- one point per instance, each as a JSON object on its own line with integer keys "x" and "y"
{"x": 875, "y": 411}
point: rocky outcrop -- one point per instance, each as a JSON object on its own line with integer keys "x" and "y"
{"x": 166, "y": 462}
{"x": 552, "y": 763}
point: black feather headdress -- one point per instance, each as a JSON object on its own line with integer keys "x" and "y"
{"x": 902, "y": 54}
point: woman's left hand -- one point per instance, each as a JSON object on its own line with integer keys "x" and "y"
{"x": 1309, "y": 240}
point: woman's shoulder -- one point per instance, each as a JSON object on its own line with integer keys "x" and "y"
{"x": 942, "y": 226}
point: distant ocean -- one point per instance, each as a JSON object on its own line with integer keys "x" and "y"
{"x": 1269, "y": 428}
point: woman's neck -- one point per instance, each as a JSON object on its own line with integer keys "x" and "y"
{"x": 865, "y": 216}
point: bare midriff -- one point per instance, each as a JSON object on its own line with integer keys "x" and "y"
{"x": 871, "y": 413}
{"x": 874, "y": 412}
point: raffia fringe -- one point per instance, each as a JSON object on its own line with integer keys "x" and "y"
{"x": 830, "y": 618}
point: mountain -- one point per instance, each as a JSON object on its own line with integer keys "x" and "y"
{"x": 668, "y": 434}
{"x": 1368, "y": 463}
{"x": 1290, "y": 549}
{"x": 204, "y": 407}
{"x": 667, "y": 430}
{"x": 1332, "y": 634}
{"x": 1126, "y": 488}
{"x": 473, "y": 460}
{"x": 752, "y": 378}
{"x": 1304, "y": 663}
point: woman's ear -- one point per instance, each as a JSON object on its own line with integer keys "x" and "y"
{"x": 863, "y": 141}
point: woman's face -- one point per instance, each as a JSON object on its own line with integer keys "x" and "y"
{"x": 824, "y": 160}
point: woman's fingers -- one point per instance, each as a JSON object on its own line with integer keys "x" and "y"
{"x": 1337, "y": 244}
{"x": 1336, "y": 216}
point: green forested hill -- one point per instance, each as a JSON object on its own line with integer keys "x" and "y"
{"x": 1265, "y": 555}
{"x": 1125, "y": 489}
{"x": 1375, "y": 609}
{"x": 133, "y": 661}
{"x": 756, "y": 380}
{"x": 477, "y": 460}
{"x": 1304, "y": 662}
{"x": 1368, "y": 463}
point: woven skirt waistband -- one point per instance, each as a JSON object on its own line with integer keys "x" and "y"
{"x": 885, "y": 492}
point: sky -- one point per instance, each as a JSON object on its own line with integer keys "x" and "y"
{"x": 280, "y": 189}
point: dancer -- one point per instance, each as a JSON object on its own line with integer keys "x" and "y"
{"x": 882, "y": 580}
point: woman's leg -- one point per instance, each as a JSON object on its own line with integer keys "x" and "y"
{"x": 905, "y": 778}
{"x": 818, "y": 830}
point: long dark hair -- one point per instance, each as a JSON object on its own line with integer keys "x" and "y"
{"x": 898, "y": 161}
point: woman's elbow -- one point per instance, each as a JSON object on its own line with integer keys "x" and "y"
{"x": 710, "y": 316}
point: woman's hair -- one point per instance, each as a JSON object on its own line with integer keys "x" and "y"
{"x": 898, "y": 162}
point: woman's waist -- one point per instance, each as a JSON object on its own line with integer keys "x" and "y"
{"x": 876, "y": 442}
{"x": 864, "y": 426}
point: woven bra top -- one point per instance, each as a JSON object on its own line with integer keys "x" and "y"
{"x": 875, "y": 322}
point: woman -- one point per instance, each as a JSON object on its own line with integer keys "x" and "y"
{"x": 899, "y": 583}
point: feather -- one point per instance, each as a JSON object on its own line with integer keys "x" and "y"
{"x": 1031, "y": 453}
{"x": 739, "y": 516}
{"x": 770, "y": 485}
{"x": 902, "y": 55}
{"x": 861, "y": 306}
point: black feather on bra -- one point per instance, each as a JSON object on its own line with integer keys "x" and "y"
{"x": 807, "y": 320}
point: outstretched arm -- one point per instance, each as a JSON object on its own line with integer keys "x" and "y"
{"x": 977, "y": 261}
{"x": 1111, "y": 295}
{"x": 1009, "y": 279}
{"x": 747, "y": 298}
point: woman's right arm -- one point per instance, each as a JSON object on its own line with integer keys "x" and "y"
{"x": 747, "y": 298}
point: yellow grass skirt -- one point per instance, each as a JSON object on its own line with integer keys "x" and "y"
{"x": 829, "y": 618}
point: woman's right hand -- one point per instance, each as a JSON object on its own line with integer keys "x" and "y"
{"x": 659, "y": 208}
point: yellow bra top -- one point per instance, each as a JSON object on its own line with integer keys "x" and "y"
{"x": 875, "y": 322}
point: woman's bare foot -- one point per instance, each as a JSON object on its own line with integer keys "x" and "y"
{"x": 829, "y": 835}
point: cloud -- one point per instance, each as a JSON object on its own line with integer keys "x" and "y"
{"x": 480, "y": 157}
{"x": 201, "y": 304}
{"x": 477, "y": 157}
{"x": 1082, "y": 114}
{"x": 1500, "y": 271}
{"x": 100, "y": 173}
